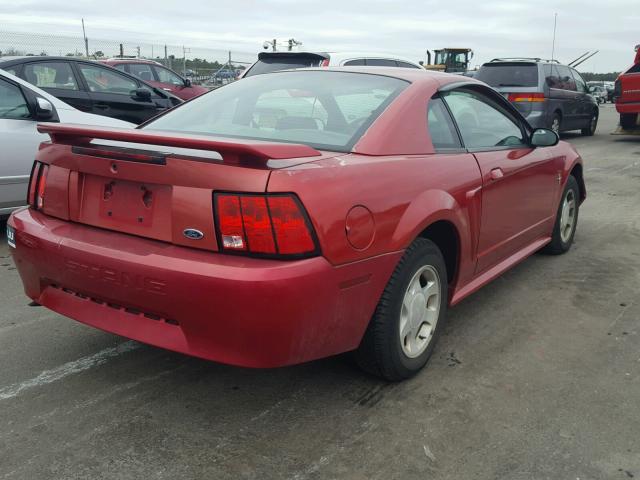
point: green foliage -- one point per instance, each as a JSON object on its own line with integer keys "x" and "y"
{"x": 602, "y": 77}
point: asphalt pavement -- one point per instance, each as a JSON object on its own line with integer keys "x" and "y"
{"x": 537, "y": 376}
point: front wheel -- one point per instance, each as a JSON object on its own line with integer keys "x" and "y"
{"x": 409, "y": 317}
{"x": 590, "y": 130}
{"x": 566, "y": 219}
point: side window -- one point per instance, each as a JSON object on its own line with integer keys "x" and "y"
{"x": 351, "y": 63}
{"x": 406, "y": 64}
{"x": 50, "y": 75}
{"x": 581, "y": 85}
{"x": 551, "y": 76}
{"x": 167, "y": 76}
{"x": 142, "y": 71}
{"x": 12, "y": 103}
{"x": 106, "y": 80}
{"x": 482, "y": 123}
{"x": 566, "y": 81}
{"x": 122, "y": 67}
{"x": 380, "y": 62}
{"x": 443, "y": 132}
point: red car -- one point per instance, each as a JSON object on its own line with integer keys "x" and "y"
{"x": 295, "y": 215}
{"x": 627, "y": 94}
{"x": 157, "y": 75}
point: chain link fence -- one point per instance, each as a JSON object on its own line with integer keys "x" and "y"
{"x": 202, "y": 65}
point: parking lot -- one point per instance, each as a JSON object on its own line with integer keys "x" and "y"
{"x": 537, "y": 376}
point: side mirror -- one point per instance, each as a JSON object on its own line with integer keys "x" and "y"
{"x": 187, "y": 82}
{"x": 543, "y": 137}
{"x": 142, "y": 94}
{"x": 44, "y": 109}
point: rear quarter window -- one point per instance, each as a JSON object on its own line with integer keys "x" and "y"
{"x": 509, "y": 74}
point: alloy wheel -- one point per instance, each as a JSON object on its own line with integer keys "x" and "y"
{"x": 420, "y": 311}
{"x": 568, "y": 216}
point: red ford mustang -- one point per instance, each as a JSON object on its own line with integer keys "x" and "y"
{"x": 296, "y": 215}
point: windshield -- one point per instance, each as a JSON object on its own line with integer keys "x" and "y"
{"x": 275, "y": 63}
{"x": 324, "y": 109}
{"x": 509, "y": 74}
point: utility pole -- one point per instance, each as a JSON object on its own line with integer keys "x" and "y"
{"x": 138, "y": 49}
{"x": 553, "y": 48}
{"x": 166, "y": 59}
{"x": 86, "y": 42}
{"x": 184, "y": 60}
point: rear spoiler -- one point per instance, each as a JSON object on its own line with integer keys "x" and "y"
{"x": 233, "y": 151}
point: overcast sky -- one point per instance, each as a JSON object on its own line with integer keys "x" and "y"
{"x": 493, "y": 28}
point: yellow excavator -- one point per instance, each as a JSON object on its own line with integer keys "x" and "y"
{"x": 450, "y": 60}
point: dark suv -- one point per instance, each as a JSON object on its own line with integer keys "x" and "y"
{"x": 546, "y": 93}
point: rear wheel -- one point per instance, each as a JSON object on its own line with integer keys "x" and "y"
{"x": 628, "y": 120}
{"x": 590, "y": 130}
{"x": 566, "y": 219}
{"x": 556, "y": 123}
{"x": 409, "y": 317}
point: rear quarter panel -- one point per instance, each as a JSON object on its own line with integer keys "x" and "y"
{"x": 405, "y": 194}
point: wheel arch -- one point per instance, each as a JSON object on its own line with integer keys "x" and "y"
{"x": 577, "y": 172}
{"x": 447, "y": 238}
{"x": 437, "y": 216}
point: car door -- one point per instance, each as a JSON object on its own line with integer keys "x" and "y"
{"x": 113, "y": 94}
{"x": 144, "y": 72}
{"x": 172, "y": 82}
{"x": 19, "y": 140}
{"x": 58, "y": 78}
{"x": 585, "y": 101}
{"x": 519, "y": 182}
{"x": 571, "y": 97}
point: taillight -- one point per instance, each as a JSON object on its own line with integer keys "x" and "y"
{"x": 264, "y": 225}
{"x": 526, "y": 97}
{"x": 37, "y": 185}
{"x": 325, "y": 63}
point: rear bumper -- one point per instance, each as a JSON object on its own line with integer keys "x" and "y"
{"x": 633, "y": 107}
{"x": 235, "y": 310}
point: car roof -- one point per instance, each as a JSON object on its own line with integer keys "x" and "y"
{"x": 412, "y": 75}
{"x": 340, "y": 55}
{"x": 128, "y": 60}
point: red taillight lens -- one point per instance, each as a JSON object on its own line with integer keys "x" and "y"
{"x": 37, "y": 185}
{"x": 290, "y": 226}
{"x": 526, "y": 97}
{"x": 265, "y": 225}
{"x": 230, "y": 223}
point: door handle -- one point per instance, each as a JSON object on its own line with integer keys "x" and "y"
{"x": 101, "y": 106}
{"x": 497, "y": 174}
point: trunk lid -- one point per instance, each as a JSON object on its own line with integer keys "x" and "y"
{"x": 156, "y": 185}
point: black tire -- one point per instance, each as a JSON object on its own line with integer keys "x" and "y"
{"x": 559, "y": 246}
{"x": 381, "y": 352}
{"x": 556, "y": 118}
{"x": 590, "y": 130}
{"x": 628, "y": 120}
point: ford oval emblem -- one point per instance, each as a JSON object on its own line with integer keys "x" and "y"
{"x": 193, "y": 234}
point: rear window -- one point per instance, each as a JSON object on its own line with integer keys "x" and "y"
{"x": 324, "y": 109}
{"x": 509, "y": 74}
{"x": 267, "y": 64}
